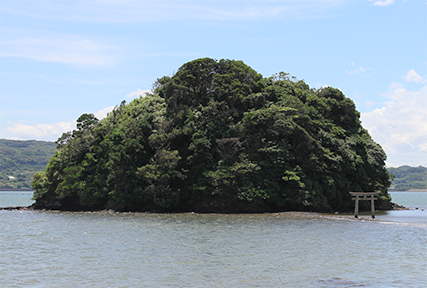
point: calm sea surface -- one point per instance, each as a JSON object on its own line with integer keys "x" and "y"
{"x": 63, "y": 249}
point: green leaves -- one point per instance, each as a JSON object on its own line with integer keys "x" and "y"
{"x": 160, "y": 175}
{"x": 218, "y": 129}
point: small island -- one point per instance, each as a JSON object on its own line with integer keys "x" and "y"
{"x": 218, "y": 137}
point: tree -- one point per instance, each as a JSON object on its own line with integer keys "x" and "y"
{"x": 218, "y": 132}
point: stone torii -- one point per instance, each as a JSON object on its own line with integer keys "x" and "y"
{"x": 364, "y": 196}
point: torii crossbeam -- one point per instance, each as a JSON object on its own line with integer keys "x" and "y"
{"x": 364, "y": 196}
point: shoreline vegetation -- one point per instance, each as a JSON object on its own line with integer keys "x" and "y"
{"x": 393, "y": 206}
{"x": 389, "y": 190}
{"x": 218, "y": 137}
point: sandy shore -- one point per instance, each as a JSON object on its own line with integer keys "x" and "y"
{"x": 335, "y": 216}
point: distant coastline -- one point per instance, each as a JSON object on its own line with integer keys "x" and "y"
{"x": 16, "y": 189}
{"x": 406, "y": 190}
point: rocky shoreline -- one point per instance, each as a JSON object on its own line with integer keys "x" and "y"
{"x": 393, "y": 207}
{"x": 21, "y": 208}
{"x": 397, "y": 207}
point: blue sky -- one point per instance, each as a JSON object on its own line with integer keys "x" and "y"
{"x": 60, "y": 59}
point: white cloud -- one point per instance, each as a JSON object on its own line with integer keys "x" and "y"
{"x": 400, "y": 127}
{"x": 382, "y": 3}
{"x": 47, "y": 132}
{"x": 137, "y": 93}
{"x": 104, "y": 112}
{"x": 160, "y": 10}
{"x": 413, "y": 76}
{"x": 357, "y": 71}
{"x": 66, "y": 49}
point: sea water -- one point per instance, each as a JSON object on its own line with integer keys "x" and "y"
{"x": 416, "y": 202}
{"x": 16, "y": 198}
{"x": 74, "y": 249}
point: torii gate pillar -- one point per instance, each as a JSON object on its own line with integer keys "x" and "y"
{"x": 364, "y": 196}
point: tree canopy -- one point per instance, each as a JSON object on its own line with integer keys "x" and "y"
{"x": 217, "y": 137}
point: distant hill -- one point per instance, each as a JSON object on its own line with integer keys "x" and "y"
{"x": 407, "y": 178}
{"x": 20, "y": 160}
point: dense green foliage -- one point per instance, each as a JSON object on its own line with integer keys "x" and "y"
{"x": 19, "y": 160}
{"x": 218, "y": 137}
{"x": 406, "y": 178}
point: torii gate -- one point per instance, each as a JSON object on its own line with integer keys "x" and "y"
{"x": 364, "y": 196}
